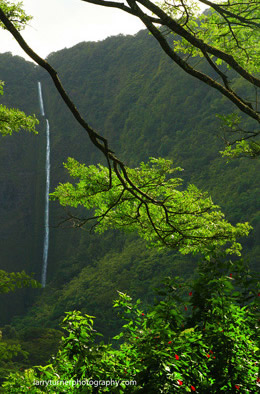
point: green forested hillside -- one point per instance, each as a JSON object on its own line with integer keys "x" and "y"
{"x": 145, "y": 106}
{"x": 22, "y": 171}
{"x": 20, "y": 168}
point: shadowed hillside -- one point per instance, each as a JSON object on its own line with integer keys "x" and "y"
{"x": 145, "y": 106}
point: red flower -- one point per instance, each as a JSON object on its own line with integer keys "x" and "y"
{"x": 142, "y": 314}
{"x": 192, "y": 388}
{"x": 185, "y": 308}
{"x": 259, "y": 294}
{"x": 190, "y": 293}
{"x": 180, "y": 382}
{"x": 230, "y": 275}
{"x": 208, "y": 355}
{"x": 211, "y": 351}
{"x": 176, "y": 356}
{"x": 258, "y": 380}
{"x": 237, "y": 387}
{"x": 214, "y": 357}
{"x": 169, "y": 342}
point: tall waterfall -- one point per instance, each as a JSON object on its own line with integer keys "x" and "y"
{"x": 40, "y": 98}
{"x": 47, "y": 191}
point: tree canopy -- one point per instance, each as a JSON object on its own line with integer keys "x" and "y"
{"x": 226, "y": 36}
{"x": 182, "y": 19}
{"x": 155, "y": 207}
{"x": 15, "y": 13}
{"x": 202, "y": 35}
{"x": 199, "y": 336}
{"x": 14, "y": 120}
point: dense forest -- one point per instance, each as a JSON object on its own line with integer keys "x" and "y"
{"x": 146, "y": 107}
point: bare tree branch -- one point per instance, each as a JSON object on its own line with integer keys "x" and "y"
{"x": 120, "y": 6}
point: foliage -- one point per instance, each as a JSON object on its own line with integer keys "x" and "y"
{"x": 14, "y": 120}
{"x": 9, "y": 281}
{"x": 226, "y": 36}
{"x": 242, "y": 149}
{"x": 188, "y": 341}
{"x": 163, "y": 216}
{"x": 8, "y": 351}
{"x": 232, "y": 124}
{"x": 20, "y": 350}
{"x": 15, "y": 13}
{"x": 227, "y": 25}
{"x": 75, "y": 345}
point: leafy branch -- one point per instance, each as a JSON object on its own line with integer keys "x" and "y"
{"x": 155, "y": 207}
{"x": 227, "y": 35}
{"x": 125, "y": 201}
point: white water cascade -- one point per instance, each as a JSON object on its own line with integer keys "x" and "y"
{"x": 47, "y": 191}
{"x": 40, "y": 98}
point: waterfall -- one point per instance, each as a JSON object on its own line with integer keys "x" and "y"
{"x": 47, "y": 191}
{"x": 46, "y": 211}
{"x": 40, "y": 98}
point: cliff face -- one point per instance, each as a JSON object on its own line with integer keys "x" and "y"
{"x": 19, "y": 171}
{"x": 131, "y": 93}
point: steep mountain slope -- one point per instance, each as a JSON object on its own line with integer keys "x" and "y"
{"x": 22, "y": 182}
{"x": 132, "y": 94}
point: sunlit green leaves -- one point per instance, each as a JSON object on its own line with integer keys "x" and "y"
{"x": 231, "y": 28}
{"x": 15, "y": 13}
{"x": 211, "y": 347}
{"x": 13, "y": 120}
{"x": 232, "y": 35}
{"x": 158, "y": 209}
{"x": 242, "y": 148}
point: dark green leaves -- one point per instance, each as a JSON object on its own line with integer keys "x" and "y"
{"x": 10, "y": 281}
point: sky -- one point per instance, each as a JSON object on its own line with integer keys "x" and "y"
{"x": 59, "y": 24}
